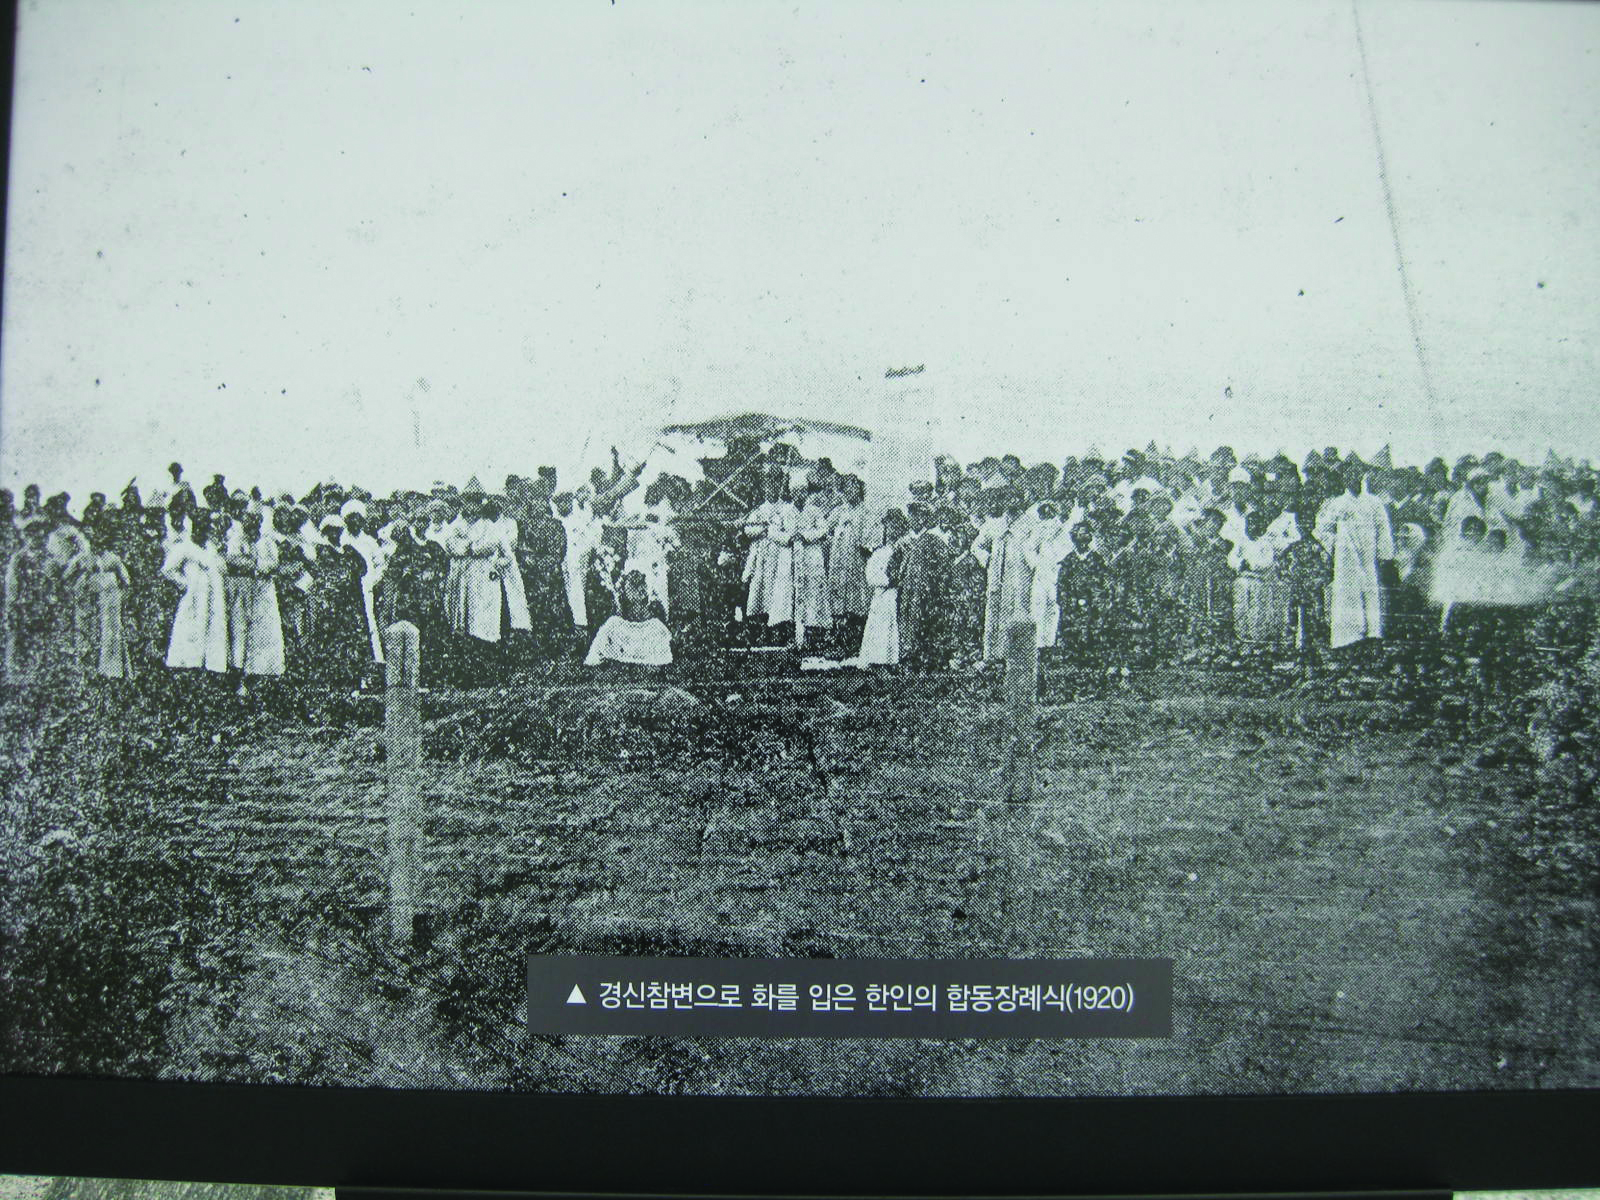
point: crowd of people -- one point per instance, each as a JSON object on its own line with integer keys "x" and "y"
{"x": 1140, "y": 559}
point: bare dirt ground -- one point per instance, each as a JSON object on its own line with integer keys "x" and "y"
{"x": 1349, "y": 908}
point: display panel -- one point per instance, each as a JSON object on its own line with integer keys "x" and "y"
{"x": 733, "y": 406}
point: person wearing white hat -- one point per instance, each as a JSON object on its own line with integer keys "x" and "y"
{"x": 1239, "y": 505}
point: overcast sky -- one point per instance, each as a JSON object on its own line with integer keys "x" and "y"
{"x": 398, "y": 241}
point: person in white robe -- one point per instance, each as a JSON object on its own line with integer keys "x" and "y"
{"x": 1000, "y": 547}
{"x": 880, "y": 638}
{"x": 1282, "y": 531}
{"x": 1478, "y": 497}
{"x": 478, "y": 558}
{"x": 1044, "y": 554}
{"x": 632, "y": 636}
{"x": 441, "y": 519}
{"x": 1354, "y": 528}
{"x": 511, "y": 582}
{"x": 67, "y": 555}
{"x": 813, "y": 606}
{"x": 583, "y": 539}
{"x": 783, "y": 526}
{"x": 104, "y": 580}
{"x": 765, "y": 561}
{"x": 255, "y": 630}
{"x": 200, "y": 629}
{"x": 1260, "y": 608}
{"x": 1191, "y": 503}
{"x": 1122, "y": 494}
{"x": 651, "y": 540}
{"x": 1239, "y": 505}
{"x": 848, "y": 549}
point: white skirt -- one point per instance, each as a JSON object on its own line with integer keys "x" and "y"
{"x": 880, "y": 641}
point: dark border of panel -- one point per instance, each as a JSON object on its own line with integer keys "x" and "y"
{"x": 1471, "y": 1141}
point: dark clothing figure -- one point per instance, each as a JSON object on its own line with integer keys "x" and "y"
{"x": 969, "y": 583}
{"x": 413, "y": 590}
{"x": 701, "y": 586}
{"x": 1155, "y": 580}
{"x": 1305, "y": 570}
{"x": 1085, "y": 590}
{"x": 1208, "y": 594}
{"x": 295, "y": 579}
{"x": 26, "y": 615}
{"x": 144, "y": 620}
{"x": 541, "y": 553}
{"x": 920, "y": 569}
{"x": 336, "y": 624}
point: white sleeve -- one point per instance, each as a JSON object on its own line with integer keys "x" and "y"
{"x": 600, "y": 647}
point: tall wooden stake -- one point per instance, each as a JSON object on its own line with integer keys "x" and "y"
{"x": 1019, "y": 881}
{"x": 402, "y": 736}
{"x": 1022, "y": 707}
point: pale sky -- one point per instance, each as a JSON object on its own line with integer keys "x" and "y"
{"x": 576, "y": 221}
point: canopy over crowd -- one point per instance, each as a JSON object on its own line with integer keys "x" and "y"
{"x": 1136, "y": 559}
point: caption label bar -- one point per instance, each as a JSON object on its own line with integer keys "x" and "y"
{"x": 851, "y": 997}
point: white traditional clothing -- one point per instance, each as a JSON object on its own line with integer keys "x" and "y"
{"x": 1234, "y": 520}
{"x": 999, "y": 547}
{"x": 644, "y": 643}
{"x": 1283, "y": 532}
{"x": 1491, "y": 512}
{"x": 473, "y": 591}
{"x": 783, "y": 525}
{"x": 515, "y": 591}
{"x": 1191, "y": 504}
{"x": 1044, "y": 603}
{"x": 880, "y": 640}
{"x": 439, "y": 531}
{"x": 813, "y": 607}
{"x": 200, "y": 628}
{"x": 1260, "y": 609}
{"x": 649, "y": 544}
{"x": 66, "y": 556}
{"x": 766, "y": 560}
{"x": 583, "y": 539}
{"x": 255, "y": 630}
{"x": 1355, "y": 532}
{"x": 173, "y": 531}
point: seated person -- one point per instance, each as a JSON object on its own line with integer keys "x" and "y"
{"x": 633, "y": 635}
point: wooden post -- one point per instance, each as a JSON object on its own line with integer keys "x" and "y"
{"x": 402, "y": 737}
{"x": 1019, "y": 882}
{"x": 1022, "y": 707}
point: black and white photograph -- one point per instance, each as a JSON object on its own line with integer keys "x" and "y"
{"x": 801, "y": 481}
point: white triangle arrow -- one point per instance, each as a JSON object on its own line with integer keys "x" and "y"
{"x": 576, "y": 996}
